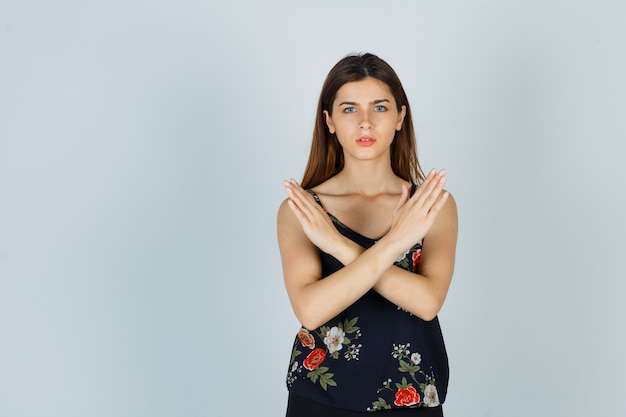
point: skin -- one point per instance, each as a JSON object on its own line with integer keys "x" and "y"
{"x": 370, "y": 199}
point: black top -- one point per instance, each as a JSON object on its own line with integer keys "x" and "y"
{"x": 374, "y": 355}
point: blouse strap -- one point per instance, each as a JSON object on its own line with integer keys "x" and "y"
{"x": 315, "y": 196}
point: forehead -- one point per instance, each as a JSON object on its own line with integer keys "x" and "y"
{"x": 364, "y": 91}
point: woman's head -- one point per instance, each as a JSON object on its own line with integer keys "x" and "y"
{"x": 326, "y": 157}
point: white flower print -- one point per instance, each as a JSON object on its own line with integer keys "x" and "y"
{"x": 416, "y": 358}
{"x": 334, "y": 339}
{"x": 400, "y": 350}
{"x": 294, "y": 366}
{"x": 403, "y": 256}
{"x": 353, "y": 352}
{"x": 431, "y": 398}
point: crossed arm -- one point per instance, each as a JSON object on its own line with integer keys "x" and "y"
{"x": 303, "y": 227}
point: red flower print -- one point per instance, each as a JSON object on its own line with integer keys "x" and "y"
{"x": 416, "y": 258}
{"x": 406, "y": 396}
{"x": 314, "y": 359}
{"x": 306, "y": 338}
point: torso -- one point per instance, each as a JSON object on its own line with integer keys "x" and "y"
{"x": 373, "y": 353}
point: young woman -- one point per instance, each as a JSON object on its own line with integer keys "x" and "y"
{"x": 367, "y": 243}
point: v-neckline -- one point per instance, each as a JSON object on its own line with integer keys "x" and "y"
{"x": 341, "y": 224}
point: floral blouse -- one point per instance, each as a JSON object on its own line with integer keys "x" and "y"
{"x": 374, "y": 355}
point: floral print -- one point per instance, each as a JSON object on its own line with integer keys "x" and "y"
{"x": 353, "y": 352}
{"x": 431, "y": 398}
{"x": 314, "y": 359}
{"x": 405, "y": 393}
{"x": 401, "y": 258}
{"x": 335, "y": 338}
{"x": 416, "y": 259}
{"x": 406, "y": 397}
{"x": 306, "y": 338}
{"x": 411, "y": 258}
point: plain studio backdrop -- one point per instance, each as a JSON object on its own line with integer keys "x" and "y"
{"x": 142, "y": 149}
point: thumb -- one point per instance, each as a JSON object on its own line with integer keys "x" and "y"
{"x": 404, "y": 196}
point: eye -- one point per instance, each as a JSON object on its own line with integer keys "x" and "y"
{"x": 380, "y": 108}
{"x": 349, "y": 110}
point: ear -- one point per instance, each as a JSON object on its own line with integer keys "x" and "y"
{"x": 329, "y": 122}
{"x": 401, "y": 118}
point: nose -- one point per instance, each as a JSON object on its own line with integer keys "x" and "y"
{"x": 366, "y": 122}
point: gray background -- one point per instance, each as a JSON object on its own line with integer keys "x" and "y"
{"x": 142, "y": 148}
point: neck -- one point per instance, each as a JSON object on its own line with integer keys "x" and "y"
{"x": 368, "y": 178}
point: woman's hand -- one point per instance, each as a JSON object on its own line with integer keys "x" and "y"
{"x": 314, "y": 220}
{"x": 412, "y": 217}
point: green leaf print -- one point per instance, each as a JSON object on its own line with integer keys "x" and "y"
{"x": 324, "y": 377}
{"x": 380, "y": 404}
{"x": 333, "y": 337}
{"x": 349, "y": 326}
{"x": 323, "y": 331}
{"x": 409, "y": 368}
{"x": 294, "y": 353}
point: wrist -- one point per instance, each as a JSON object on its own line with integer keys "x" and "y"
{"x": 347, "y": 250}
{"x": 393, "y": 246}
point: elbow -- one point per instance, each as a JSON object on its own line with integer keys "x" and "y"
{"x": 429, "y": 310}
{"x": 309, "y": 323}
{"x": 428, "y": 315}
{"x": 309, "y": 317}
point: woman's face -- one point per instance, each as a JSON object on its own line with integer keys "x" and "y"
{"x": 365, "y": 118}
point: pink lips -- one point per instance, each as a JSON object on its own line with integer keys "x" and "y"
{"x": 365, "y": 140}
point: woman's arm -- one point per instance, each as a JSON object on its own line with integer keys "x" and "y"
{"x": 303, "y": 226}
{"x": 424, "y": 293}
{"x": 316, "y": 300}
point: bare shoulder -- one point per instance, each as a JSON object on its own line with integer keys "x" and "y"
{"x": 284, "y": 210}
{"x": 439, "y": 244}
{"x": 449, "y": 209}
{"x": 289, "y": 229}
{"x": 445, "y": 227}
{"x": 286, "y": 221}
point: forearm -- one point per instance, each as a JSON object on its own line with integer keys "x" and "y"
{"x": 416, "y": 293}
{"x": 408, "y": 290}
{"x": 322, "y": 300}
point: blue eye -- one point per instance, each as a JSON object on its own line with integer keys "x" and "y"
{"x": 380, "y": 108}
{"x": 349, "y": 110}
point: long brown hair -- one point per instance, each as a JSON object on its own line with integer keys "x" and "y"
{"x": 326, "y": 157}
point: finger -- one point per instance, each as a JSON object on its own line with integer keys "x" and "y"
{"x": 295, "y": 198}
{"x": 426, "y": 188}
{"x": 303, "y": 199}
{"x": 432, "y": 174}
{"x": 433, "y": 196}
{"x": 298, "y": 213}
{"x": 404, "y": 197}
{"x": 312, "y": 202}
{"x": 436, "y": 208}
{"x": 302, "y": 193}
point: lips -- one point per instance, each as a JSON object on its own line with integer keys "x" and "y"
{"x": 365, "y": 140}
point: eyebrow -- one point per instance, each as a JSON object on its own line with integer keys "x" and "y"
{"x": 354, "y": 103}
